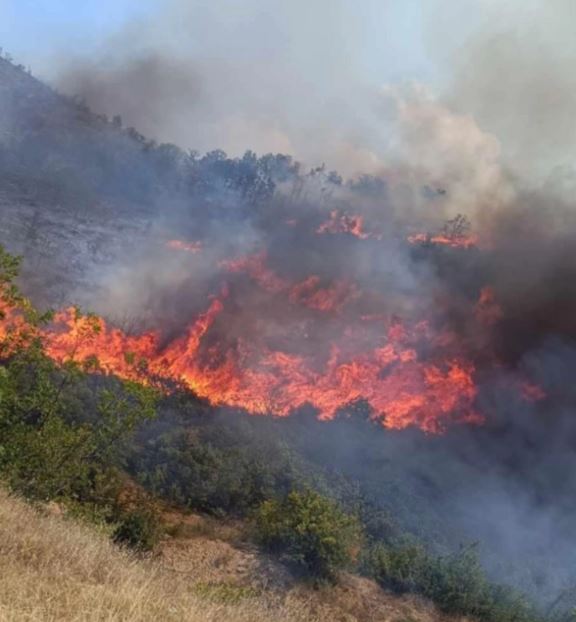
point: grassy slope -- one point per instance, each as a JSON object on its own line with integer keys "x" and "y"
{"x": 53, "y": 569}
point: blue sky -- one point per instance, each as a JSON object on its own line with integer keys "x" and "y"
{"x": 33, "y": 29}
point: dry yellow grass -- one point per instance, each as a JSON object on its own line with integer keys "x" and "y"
{"x": 53, "y": 569}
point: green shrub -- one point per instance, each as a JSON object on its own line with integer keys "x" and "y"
{"x": 310, "y": 530}
{"x": 139, "y": 529}
{"x": 455, "y": 583}
{"x": 62, "y": 430}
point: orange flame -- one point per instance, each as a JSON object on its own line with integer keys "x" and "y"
{"x": 345, "y": 223}
{"x": 459, "y": 241}
{"x": 410, "y": 374}
{"x": 401, "y": 389}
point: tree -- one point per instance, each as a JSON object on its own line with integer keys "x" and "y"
{"x": 457, "y": 227}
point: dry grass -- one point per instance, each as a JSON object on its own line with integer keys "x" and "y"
{"x": 53, "y": 569}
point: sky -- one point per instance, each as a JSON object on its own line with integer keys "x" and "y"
{"x": 32, "y": 30}
{"x": 36, "y": 31}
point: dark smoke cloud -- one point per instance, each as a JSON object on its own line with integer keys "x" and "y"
{"x": 281, "y": 77}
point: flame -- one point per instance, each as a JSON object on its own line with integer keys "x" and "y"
{"x": 457, "y": 241}
{"x": 401, "y": 389}
{"x": 345, "y": 223}
{"x": 409, "y": 372}
{"x": 488, "y": 311}
{"x": 309, "y": 292}
{"x": 532, "y": 392}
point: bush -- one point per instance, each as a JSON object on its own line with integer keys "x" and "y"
{"x": 140, "y": 530}
{"x": 62, "y": 429}
{"x": 222, "y": 467}
{"x": 310, "y": 530}
{"x": 455, "y": 583}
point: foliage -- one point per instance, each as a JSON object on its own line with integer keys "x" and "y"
{"x": 61, "y": 431}
{"x": 139, "y": 529}
{"x": 456, "y": 583}
{"x": 66, "y": 434}
{"x": 213, "y": 466}
{"x": 310, "y": 530}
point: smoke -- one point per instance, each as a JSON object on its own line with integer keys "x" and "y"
{"x": 149, "y": 91}
{"x": 308, "y": 80}
{"x": 510, "y": 65}
{"x": 317, "y": 81}
{"x": 432, "y": 145}
{"x": 280, "y": 77}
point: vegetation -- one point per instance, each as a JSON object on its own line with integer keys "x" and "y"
{"x": 63, "y": 431}
{"x": 311, "y": 531}
{"x": 68, "y": 432}
{"x": 139, "y": 529}
{"x": 57, "y": 569}
{"x": 456, "y": 583}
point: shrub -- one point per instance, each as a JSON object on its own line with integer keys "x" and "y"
{"x": 139, "y": 529}
{"x": 455, "y": 583}
{"x": 62, "y": 430}
{"x": 310, "y": 530}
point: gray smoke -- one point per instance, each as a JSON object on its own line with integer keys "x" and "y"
{"x": 281, "y": 77}
{"x": 149, "y": 91}
{"x": 511, "y": 66}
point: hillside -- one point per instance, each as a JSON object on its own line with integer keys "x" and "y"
{"x": 52, "y": 568}
{"x": 403, "y": 399}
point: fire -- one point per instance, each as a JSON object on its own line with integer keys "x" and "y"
{"x": 401, "y": 389}
{"x": 460, "y": 241}
{"x": 488, "y": 312}
{"x": 81, "y": 338}
{"x": 345, "y": 223}
{"x": 531, "y": 392}
{"x": 309, "y": 292}
{"x": 455, "y": 234}
{"x": 326, "y": 352}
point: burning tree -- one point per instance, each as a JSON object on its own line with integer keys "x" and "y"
{"x": 457, "y": 228}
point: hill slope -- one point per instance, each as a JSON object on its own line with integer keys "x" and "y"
{"x": 55, "y": 569}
